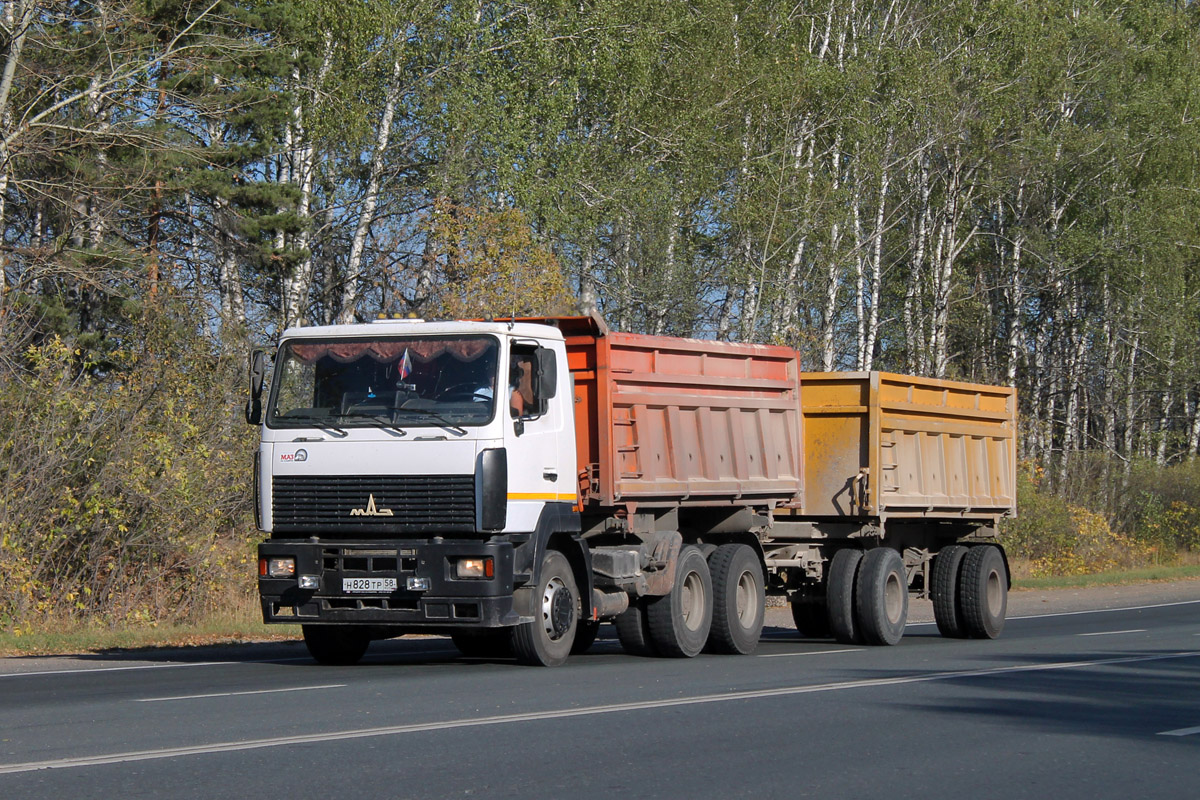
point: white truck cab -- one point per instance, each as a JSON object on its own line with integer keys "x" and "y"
{"x": 410, "y": 474}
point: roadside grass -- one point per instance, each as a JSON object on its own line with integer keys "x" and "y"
{"x": 233, "y": 626}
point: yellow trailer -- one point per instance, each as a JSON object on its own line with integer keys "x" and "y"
{"x": 889, "y": 446}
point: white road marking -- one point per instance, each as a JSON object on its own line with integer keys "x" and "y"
{"x": 1108, "y": 610}
{"x": 814, "y": 653}
{"x": 1181, "y": 732}
{"x": 565, "y": 713}
{"x": 1079, "y": 613}
{"x": 238, "y": 694}
{"x": 1112, "y": 633}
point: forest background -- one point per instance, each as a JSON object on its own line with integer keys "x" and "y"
{"x": 996, "y": 190}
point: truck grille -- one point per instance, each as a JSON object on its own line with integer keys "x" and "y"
{"x": 360, "y": 504}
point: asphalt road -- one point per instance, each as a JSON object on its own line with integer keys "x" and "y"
{"x": 1086, "y": 703}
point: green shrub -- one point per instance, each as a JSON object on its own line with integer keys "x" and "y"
{"x": 124, "y": 488}
{"x": 1057, "y": 537}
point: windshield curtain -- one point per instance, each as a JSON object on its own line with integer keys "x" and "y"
{"x": 411, "y": 381}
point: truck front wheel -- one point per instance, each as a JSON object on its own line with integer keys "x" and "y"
{"x": 336, "y": 645}
{"x": 681, "y": 619}
{"x": 547, "y": 640}
{"x": 739, "y": 597}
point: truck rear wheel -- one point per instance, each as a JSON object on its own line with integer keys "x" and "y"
{"x": 547, "y": 640}
{"x": 947, "y": 565}
{"x": 881, "y": 594}
{"x": 633, "y": 629}
{"x": 681, "y": 619}
{"x": 983, "y": 592}
{"x": 839, "y": 593}
{"x": 739, "y": 597}
{"x": 336, "y": 645}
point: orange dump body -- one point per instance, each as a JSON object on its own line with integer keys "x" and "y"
{"x": 663, "y": 421}
{"x": 892, "y": 446}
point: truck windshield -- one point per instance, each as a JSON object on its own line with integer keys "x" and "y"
{"x": 409, "y": 382}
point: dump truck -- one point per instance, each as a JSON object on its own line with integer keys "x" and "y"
{"x": 515, "y": 483}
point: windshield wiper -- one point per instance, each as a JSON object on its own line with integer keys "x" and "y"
{"x": 320, "y": 422}
{"x": 375, "y": 419}
{"x": 445, "y": 423}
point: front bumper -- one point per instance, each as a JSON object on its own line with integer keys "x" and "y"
{"x": 447, "y": 602}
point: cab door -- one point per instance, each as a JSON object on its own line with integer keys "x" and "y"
{"x": 538, "y": 432}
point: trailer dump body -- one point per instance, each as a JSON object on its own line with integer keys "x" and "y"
{"x": 897, "y": 446}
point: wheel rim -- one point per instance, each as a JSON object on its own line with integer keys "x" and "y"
{"x": 556, "y": 608}
{"x": 893, "y": 598}
{"x": 747, "y": 600}
{"x": 994, "y": 592}
{"x": 691, "y": 601}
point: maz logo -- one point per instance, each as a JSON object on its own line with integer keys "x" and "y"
{"x": 371, "y": 510}
{"x": 299, "y": 455}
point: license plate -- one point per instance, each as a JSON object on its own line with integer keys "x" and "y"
{"x": 370, "y": 585}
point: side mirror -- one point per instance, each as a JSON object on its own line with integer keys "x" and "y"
{"x": 258, "y": 372}
{"x": 547, "y": 373}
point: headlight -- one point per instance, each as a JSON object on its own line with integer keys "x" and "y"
{"x": 277, "y": 567}
{"x": 480, "y": 568}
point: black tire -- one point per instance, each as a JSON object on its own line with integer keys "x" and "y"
{"x": 547, "y": 640}
{"x": 839, "y": 595}
{"x": 983, "y": 592}
{"x": 681, "y": 619}
{"x": 739, "y": 599}
{"x": 633, "y": 629}
{"x": 336, "y": 645}
{"x": 811, "y": 617}
{"x": 881, "y": 594}
{"x": 585, "y": 636}
{"x": 947, "y": 567}
{"x": 488, "y": 643}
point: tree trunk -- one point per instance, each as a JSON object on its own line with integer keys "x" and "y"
{"x": 350, "y": 290}
{"x": 873, "y": 297}
{"x": 668, "y": 281}
{"x": 298, "y": 287}
{"x": 914, "y": 328}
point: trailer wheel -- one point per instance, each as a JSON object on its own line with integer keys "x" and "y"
{"x": 811, "y": 617}
{"x": 882, "y": 596}
{"x": 983, "y": 592}
{"x": 839, "y": 593}
{"x": 585, "y": 636}
{"x": 739, "y": 599}
{"x": 490, "y": 643}
{"x": 681, "y": 619}
{"x": 947, "y": 566}
{"x": 633, "y": 629}
{"x": 547, "y": 640}
{"x": 336, "y": 645}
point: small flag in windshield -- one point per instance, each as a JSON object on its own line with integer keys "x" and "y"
{"x": 405, "y": 365}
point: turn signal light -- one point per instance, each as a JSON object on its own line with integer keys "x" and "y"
{"x": 475, "y": 568}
